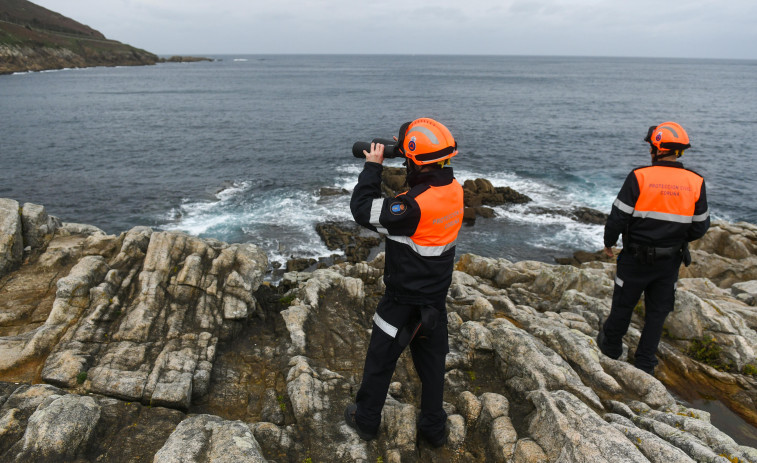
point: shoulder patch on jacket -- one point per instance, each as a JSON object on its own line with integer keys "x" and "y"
{"x": 398, "y": 208}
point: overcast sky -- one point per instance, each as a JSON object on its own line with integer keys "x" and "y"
{"x": 650, "y": 28}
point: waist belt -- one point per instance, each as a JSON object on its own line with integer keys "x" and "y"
{"x": 649, "y": 254}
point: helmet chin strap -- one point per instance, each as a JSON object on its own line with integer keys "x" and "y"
{"x": 410, "y": 166}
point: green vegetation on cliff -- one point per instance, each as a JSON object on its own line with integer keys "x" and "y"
{"x": 33, "y": 38}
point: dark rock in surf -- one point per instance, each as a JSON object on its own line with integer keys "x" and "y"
{"x": 328, "y": 191}
{"x": 470, "y": 214}
{"x": 393, "y": 181}
{"x": 582, "y": 257}
{"x": 184, "y": 59}
{"x": 481, "y": 192}
{"x": 584, "y": 215}
{"x": 298, "y": 264}
{"x": 349, "y": 238}
{"x": 589, "y": 216}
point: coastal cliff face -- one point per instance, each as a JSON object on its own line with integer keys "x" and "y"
{"x": 33, "y": 38}
{"x": 159, "y": 346}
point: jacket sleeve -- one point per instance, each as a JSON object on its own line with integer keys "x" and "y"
{"x": 622, "y": 210}
{"x": 392, "y": 216}
{"x": 366, "y": 192}
{"x": 701, "y": 220}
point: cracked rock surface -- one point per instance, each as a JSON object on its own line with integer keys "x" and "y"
{"x": 159, "y": 346}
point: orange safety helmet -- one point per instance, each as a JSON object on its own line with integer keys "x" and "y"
{"x": 668, "y": 136}
{"x": 426, "y": 141}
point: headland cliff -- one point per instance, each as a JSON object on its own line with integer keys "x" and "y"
{"x": 33, "y": 38}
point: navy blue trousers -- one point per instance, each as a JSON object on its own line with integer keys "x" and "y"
{"x": 429, "y": 350}
{"x": 657, "y": 281}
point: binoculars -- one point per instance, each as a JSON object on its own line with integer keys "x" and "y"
{"x": 391, "y": 148}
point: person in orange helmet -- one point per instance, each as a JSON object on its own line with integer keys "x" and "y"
{"x": 659, "y": 210}
{"x": 421, "y": 227}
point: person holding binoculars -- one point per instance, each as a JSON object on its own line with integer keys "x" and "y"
{"x": 421, "y": 228}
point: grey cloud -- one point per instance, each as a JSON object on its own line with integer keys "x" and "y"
{"x": 703, "y": 28}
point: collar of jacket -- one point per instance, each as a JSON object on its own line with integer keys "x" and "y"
{"x": 668, "y": 164}
{"x": 436, "y": 177}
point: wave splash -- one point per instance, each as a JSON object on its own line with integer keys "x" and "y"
{"x": 282, "y": 220}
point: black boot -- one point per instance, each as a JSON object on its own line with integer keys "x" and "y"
{"x": 603, "y": 348}
{"x": 437, "y": 441}
{"x": 349, "y": 417}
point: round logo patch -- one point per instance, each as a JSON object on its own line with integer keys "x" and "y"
{"x": 411, "y": 144}
{"x": 397, "y": 208}
{"x": 659, "y": 136}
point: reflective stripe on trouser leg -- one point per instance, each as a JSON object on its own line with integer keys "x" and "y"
{"x": 628, "y": 289}
{"x": 380, "y": 362}
{"x": 385, "y": 326}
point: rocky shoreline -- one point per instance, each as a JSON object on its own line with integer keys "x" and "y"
{"x": 184, "y": 59}
{"x": 25, "y": 58}
{"x": 159, "y": 346}
{"x": 15, "y": 59}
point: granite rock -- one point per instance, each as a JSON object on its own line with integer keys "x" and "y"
{"x": 165, "y": 347}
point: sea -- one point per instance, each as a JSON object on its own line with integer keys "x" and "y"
{"x": 242, "y": 148}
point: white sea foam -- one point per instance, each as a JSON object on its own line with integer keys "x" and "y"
{"x": 197, "y": 223}
{"x": 348, "y": 176}
{"x": 591, "y": 196}
{"x": 282, "y": 222}
{"x": 201, "y": 217}
{"x": 277, "y": 252}
{"x": 64, "y": 69}
{"x": 233, "y": 189}
{"x": 524, "y": 214}
{"x": 240, "y": 59}
{"x": 543, "y": 195}
{"x": 573, "y": 236}
{"x": 292, "y": 217}
{"x": 551, "y": 230}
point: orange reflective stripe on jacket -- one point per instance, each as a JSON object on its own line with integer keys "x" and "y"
{"x": 667, "y": 193}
